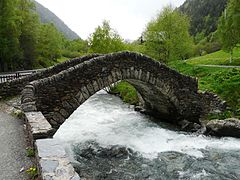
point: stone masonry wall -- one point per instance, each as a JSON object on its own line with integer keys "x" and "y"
{"x": 15, "y": 87}
{"x": 59, "y": 95}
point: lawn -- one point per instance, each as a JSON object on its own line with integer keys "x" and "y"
{"x": 217, "y": 58}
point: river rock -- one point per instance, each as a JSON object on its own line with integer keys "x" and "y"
{"x": 189, "y": 126}
{"x": 228, "y": 127}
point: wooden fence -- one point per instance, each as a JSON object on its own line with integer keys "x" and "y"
{"x": 8, "y": 76}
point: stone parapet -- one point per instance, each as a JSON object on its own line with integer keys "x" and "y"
{"x": 14, "y": 87}
{"x": 53, "y": 161}
{"x": 38, "y": 125}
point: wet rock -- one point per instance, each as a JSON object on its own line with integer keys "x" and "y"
{"x": 138, "y": 108}
{"x": 189, "y": 126}
{"x": 228, "y": 127}
{"x": 216, "y": 164}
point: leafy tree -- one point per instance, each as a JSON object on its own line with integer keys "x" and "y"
{"x": 105, "y": 40}
{"x": 9, "y": 35}
{"x": 77, "y": 45}
{"x": 229, "y": 27}
{"x": 167, "y": 36}
{"x": 74, "y": 48}
{"x": 29, "y": 26}
{"x": 50, "y": 43}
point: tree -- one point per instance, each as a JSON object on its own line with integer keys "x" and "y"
{"x": 10, "y": 51}
{"x": 50, "y": 43}
{"x": 167, "y": 37}
{"x": 77, "y": 45}
{"x": 105, "y": 40}
{"x": 29, "y": 26}
{"x": 229, "y": 27}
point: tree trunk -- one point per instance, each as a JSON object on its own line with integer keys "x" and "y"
{"x": 231, "y": 56}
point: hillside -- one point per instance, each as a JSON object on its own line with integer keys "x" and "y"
{"x": 217, "y": 58}
{"x": 204, "y": 14}
{"x": 47, "y": 16}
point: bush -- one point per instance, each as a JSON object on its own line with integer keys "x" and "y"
{"x": 127, "y": 92}
{"x": 70, "y": 54}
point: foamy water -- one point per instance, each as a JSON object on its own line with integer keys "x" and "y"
{"x": 106, "y": 120}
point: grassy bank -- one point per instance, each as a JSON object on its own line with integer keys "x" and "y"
{"x": 223, "y": 81}
{"x": 217, "y": 58}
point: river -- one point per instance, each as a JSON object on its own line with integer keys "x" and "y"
{"x": 107, "y": 139}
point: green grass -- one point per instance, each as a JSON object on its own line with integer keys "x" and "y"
{"x": 217, "y": 58}
{"x": 30, "y": 152}
{"x": 223, "y": 81}
{"x": 127, "y": 92}
{"x": 62, "y": 59}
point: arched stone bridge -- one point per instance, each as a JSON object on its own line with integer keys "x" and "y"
{"x": 166, "y": 93}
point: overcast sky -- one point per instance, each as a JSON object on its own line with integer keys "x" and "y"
{"x": 127, "y": 17}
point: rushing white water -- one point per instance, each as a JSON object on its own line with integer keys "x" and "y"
{"x": 106, "y": 120}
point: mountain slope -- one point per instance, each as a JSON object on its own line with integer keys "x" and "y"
{"x": 204, "y": 14}
{"x": 47, "y": 16}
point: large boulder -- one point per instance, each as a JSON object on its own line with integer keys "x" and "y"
{"x": 228, "y": 127}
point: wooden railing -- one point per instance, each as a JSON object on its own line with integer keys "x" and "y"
{"x": 8, "y": 76}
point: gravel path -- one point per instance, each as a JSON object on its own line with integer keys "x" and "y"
{"x": 220, "y": 66}
{"x": 12, "y": 148}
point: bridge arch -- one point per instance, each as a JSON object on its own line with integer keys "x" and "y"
{"x": 166, "y": 92}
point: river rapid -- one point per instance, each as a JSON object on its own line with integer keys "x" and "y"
{"x": 107, "y": 139}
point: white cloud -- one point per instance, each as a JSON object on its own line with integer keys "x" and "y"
{"x": 128, "y": 17}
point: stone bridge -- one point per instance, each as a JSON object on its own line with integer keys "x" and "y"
{"x": 58, "y": 91}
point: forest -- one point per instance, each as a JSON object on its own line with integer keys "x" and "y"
{"x": 196, "y": 28}
{"x": 26, "y": 43}
{"x": 198, "y": 32}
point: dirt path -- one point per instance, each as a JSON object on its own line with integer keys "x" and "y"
{"x": 12, "y": 146}
{"x": 220, "y": 66}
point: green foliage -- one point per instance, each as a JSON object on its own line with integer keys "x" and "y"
{"x": 167, "y": 36}
{"x": 10, "y": 51}
{"x": 204, "y": 15}
{"x": 75, "y": 48}
{"x": 105, "y": 40}
{"x": 18, "y": 113}
{"x": 206, "y": 45}
{"x": 30, "y": 152}
{"x": 50, "y": 42}
{"x": 32, "y": 172}
{"x": 25, "y": 43}
{"x": 135, "y": 46}
{"x": 223, "y": 115}
{"x": 217, "y": 58}
{"x": 223, "y": 81}
{"x": 29, "y": 24}
{"x": 229, "y": 27}
{"x": 127, "y": 92}
{"x": 77, "y": 45}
